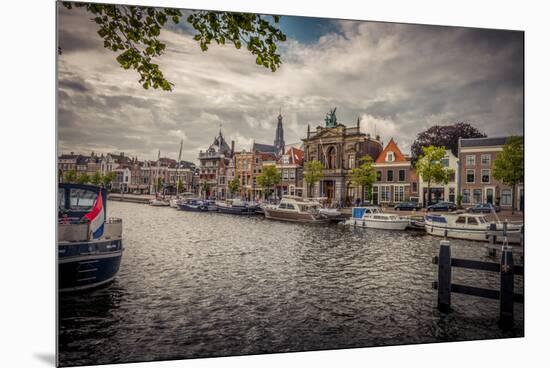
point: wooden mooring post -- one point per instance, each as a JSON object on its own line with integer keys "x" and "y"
{"x": 506, "y": 294}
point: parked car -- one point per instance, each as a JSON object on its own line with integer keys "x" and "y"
{"x": 442, "y": 206}
{"x": 483, "y": 208}
{"x": 407, "y": 206}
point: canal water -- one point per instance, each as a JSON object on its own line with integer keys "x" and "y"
{"x": 205, "y": 284}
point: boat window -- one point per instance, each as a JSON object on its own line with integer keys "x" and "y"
{"x": 290, "y": 206}
{"x": 61, "y": 199}
{"x": 472, "y": 220}
{"x": 282, "y": 205}
{"x": 482, "y": 220}
{"x": 461, "y": 220}
{"x": 82, "y": 199}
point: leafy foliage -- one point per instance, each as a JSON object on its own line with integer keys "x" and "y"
{"x": 313, "y": 172}
{"x": 69, "y": 176}
{"x": 96, "y": 178}
{"x": 443, "y": 136}
{"x": 269, "y": 177}
{"x": 108, "y": 178}
{"x": 509, "y": 166}
{"x": 364, "y": 175}
{"x": 233, "y": 186}
{"x": 84, "y": 178}
{"x": 430, "y": 166}
{"x": 134, "y": 32}
{"x": 179, "y": 187}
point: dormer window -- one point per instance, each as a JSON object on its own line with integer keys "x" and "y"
{"x": 390, "y": 157}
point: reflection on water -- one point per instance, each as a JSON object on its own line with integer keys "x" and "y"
{"x": 203, "y": 284}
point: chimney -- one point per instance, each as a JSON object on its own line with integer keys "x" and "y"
{"x": 72, "y": 153}
{"x": 308, "y": 131}
{"x": 232, "y": 148}
{"x": 378, "y": 138}
{"x": 121, "y": 154}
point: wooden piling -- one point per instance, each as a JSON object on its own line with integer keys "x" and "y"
{"x": 444, "y": 277}
{"x": 506, "y": 320}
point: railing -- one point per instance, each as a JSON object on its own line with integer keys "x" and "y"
{"x": 79, "y": 232}
{"x": 506, "y": 294}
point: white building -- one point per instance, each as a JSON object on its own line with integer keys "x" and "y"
{"x": 439, "y": 191}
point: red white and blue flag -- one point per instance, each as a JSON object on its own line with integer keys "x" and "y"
{"x": 96, "y": 217}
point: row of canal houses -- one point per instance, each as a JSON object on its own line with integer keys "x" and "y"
{"x": 337, "y": 146}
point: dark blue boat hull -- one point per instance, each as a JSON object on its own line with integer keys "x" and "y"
{"x": 238, "y": 210}
{"x": 85, "y": 265}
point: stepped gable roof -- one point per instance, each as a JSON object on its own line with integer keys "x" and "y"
{"x": 391, "y": 147}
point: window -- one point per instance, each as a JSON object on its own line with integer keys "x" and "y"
{"x": 477, "y": 195}
{"x": 351, "y": 161}
{"x": 414, "y": 187}
{"x": 285, "y": 174}
{"x": 485, "y": 176}
{"x": 445, "y": 162}
{"x": 61, "y": 198}
{"x": 401, "y": 175}
{"x": 390, "y": 157}
{"x": 290, "y": 206}
{"x": 506, "y": 197}
{"x": 461, "y": 220}
{"x": 385, "y": 192}
{"x": 389, "y": 175}
{"x": 332, "y": 158}
{"x": 379, "y": 176}
{"x": 399, "y": 193}
{"x": 470, "y": 160}
{"x": 452, "y": 177}
{"x": 472, "y": 221}
{"x": 486, "y": 160}
{"x": 470, "y": 176}
{"x": 291, "y": 174}
{"x": 81, "y": 199}
{"x": 466, "y": 196}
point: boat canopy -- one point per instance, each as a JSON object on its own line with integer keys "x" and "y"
{"x": 435, "y": 218}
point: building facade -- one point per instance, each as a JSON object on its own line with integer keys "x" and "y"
{"x": 396, "y": 180}
{"x": 339, "y": 149}
{"x": 441, "y": 191}
{"x": 476, "y": 181}
{"x": 291, "y": 167}
{"x": 213, "y": 167}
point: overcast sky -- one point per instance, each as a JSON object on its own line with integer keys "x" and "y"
{"x": 398, "y": 79}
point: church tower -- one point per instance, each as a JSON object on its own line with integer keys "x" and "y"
{"x": 279, "y": 142}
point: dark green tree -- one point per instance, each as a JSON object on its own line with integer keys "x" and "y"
{"x": 508, "y": 167}
{"x": 431, "y": 169}
{"x": 133, "y": 32}
{"x": 108, "y": 178}
{"x": 179, "y": 188}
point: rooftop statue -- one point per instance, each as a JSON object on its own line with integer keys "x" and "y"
{"x": 330, "y": 119}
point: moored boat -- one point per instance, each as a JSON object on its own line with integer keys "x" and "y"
{"x": 464, "y": 226}
{"x": 237, "y": 207}
{"x": 89, "y": 244}
{"x": 373, "y": 218}
{"x": 295, "y": 209}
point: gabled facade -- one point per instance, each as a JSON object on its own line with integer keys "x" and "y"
{"x": 291, "y": 167}
{"x": 396, "y": 180}
{"x": 213, "y": 167}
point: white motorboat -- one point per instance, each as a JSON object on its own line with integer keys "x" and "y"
{"x": 296, "y": 209}
{"x": 330, "y": 213}
{"x": 159, "y": 202}
{"x": 372, "y": 217}
{"x": 464, "y": 226}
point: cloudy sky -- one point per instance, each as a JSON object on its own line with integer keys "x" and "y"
{"x": 397, "y": 79}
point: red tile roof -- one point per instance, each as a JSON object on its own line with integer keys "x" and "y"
{"x": 398, "y": 155}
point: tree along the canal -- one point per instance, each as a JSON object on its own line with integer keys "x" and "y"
{"x": 508, "y": 166}
{"x": 268, "y": 179}
{"x": 134, "y": 32}
{"x": 431, "y": 169}
{"x": 313, "y": 173}
{"x": 364, "y": 176}
{"x": 233, "y": 186}
{"x": 69, "y": 176}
